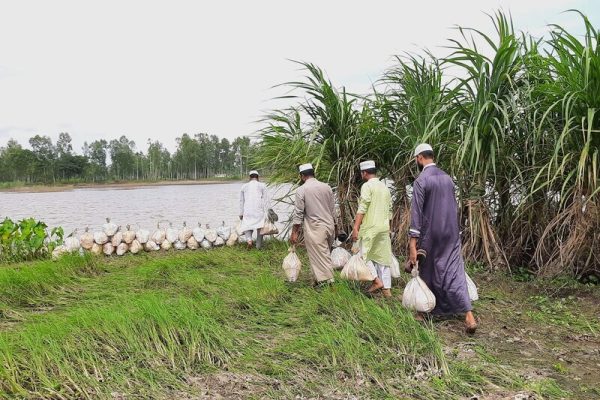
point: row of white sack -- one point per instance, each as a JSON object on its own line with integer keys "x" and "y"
{"x": 416, "y": 296}
{"x": 123, "y": 241}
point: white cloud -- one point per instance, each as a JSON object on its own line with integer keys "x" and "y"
{"x": 159, "y": 69}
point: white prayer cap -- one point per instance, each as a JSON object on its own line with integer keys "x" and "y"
{"x": 253, "y": 172}
{"x": 367, "y": 165}
{"x": 306, "y": 167}
{"x": 423, "y": 147}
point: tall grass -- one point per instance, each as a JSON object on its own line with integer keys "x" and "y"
{"x": 516, "y": 124}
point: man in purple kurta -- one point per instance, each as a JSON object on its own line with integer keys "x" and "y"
{"x": 434, "y": 228}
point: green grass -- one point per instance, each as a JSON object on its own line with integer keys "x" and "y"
{"x": 145, "y": 325}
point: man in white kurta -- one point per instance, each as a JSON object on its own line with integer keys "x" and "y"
{"x": 253, "y": 198}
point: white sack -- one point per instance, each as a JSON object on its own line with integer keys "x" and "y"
{"x": 72, "y": 244}
{"x": 340, "y": 257}
{"x": 185, "y": 233}
{"x": 224, "y": 232}
{"x": 87, "y": 239}
{"x": 233, "y": 238}
{"x": 395, "y": 267}
{"x": 356, "y": 270}
{"x": 117, "y": 238}
{"x": 159, "y": 235}
{"x": 135, "y": 247}
{"x": 291, "y": 265}
{"x": 128, "y": 235}
{"x": 100, "y": 238}
{"x": 96, "y": 249}
{"x": 59, "y": 251}
{"x": 122, "y": 248}
{"x": 198, "y": 233}
{"x": 151, "y": 245}
{"x": 108, "y": 249}
{"x": 268, "y": 228}
{"x": 192, "y": 243}
{"x": 171, "y": 234}
{"x": 179, "y": 245}
{"x": 417, "y": 295}
{"x": 142, "y": 236}
{"x": 219, "y": 242}
{"x": 109, "y": 228}
{"x": 210, "y": 234}
{"x": 166, "y": 245}
{"x": 473, "y": 292}
{"x": 206, "y": 244}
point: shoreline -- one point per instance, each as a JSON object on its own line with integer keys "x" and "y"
{"x": 113, "y": 185}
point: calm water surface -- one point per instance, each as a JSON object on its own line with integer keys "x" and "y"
{"x": 138, "y": 206}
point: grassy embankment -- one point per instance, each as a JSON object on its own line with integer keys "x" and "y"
{"x": 204, "y": 324}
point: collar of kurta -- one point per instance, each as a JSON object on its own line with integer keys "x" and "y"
{"x": 428, "y": 165}
{"x": 373, "y": 179}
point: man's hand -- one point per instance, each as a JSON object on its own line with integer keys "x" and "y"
{"x": 241, "y": 217}
{"x": 355, "y": 235}
{"x": 294, "y": 237}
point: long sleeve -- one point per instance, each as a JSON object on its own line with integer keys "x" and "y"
{"x": 365, "y": 199}
{"x": 332, "y": 206}
{"x": 242, "y": 202}
{"x": 298, "y": 217}
{"x": 416, "y": 210}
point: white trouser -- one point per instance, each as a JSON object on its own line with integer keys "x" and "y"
{"x": 382, "y": 272}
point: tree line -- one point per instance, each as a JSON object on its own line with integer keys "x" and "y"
{"x": 196, "y": 157}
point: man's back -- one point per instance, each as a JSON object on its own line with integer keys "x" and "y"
{"x": 315, "y": 200}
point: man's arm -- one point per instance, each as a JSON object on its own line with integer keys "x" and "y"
{"x": 363, "y": 206}
{"x": 416, "y": 218}
{"x": 298, "y": 215}
{"x": 242, "y": 204}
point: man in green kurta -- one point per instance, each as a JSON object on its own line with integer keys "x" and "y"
{"x": 372, "y": 227}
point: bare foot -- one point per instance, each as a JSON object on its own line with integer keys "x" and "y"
{"x": 470, "y": 323}
{"x": 250, "y": 244}
{"x": 377, "y": 284}
{"x": 387, "y": 293}
{"x": 419, "y": 317}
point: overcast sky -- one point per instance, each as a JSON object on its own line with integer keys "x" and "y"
{"x": 157, "y": 69}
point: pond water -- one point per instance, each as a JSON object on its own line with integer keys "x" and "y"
{"x": 143, "y": 206}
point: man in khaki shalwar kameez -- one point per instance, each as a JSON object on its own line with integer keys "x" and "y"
{"x": 314, "y": 211}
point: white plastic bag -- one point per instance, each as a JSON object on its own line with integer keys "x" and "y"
{"x": 210, "y": 234}
{"x": 417, "y": 295}
{"x": 159, "y": 235}
{"x": 395, "y": 267}
{"x": 206, "y": 245}
{"x": 166, "y": 245}
{"x": 59, "y": 251}
{"x": 135, "y": 247}
{"x": 356, "y": 268}
{"x": 185, "y": 233}
{"x": 142, "y": 236}
{"x": 100, "y": 238}
{"x": 72, "y": 243}
{"x": 268, "y": 228}
{"x": 151, "y": 245}
{"x": 122, "y": 248}
{"x": 224, "y": 232}
{"x": 233, "y": 238}
{"x": 473, "y": 292}
{"x": 87, "y": 239}
{"x": 171, "y": 234}
{"x": 192, "y": 243}
{"x": 108, "y": 249}
{"x": 291, "y": 265}
{"x": 198, "y": 233}
{"x": 238, "y": 229}
{"x": 109, "y": 228}
{"x": 340, "y": 257}
{"x": 219, "y": 242}
{"x": 117, "y": 238}
{"x": 96, "y": 249}
{"x": 128, "y": 235}
{"x": 179, "y": 245}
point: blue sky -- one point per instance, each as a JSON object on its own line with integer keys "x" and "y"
{"x": 159, "y": 69}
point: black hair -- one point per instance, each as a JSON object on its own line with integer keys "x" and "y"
{"x": 371, "y": 171}
{"x": 427, "y": 154}
{"x": 308, "y": 172}
{"x": 254, "y": 176}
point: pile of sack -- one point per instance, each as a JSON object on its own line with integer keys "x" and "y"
{"x": 114, "y": 239}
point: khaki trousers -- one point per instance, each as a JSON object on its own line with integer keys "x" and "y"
{"x": 318, "y": 238}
